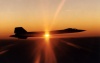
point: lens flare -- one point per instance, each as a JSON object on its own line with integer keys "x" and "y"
{"x": 47, "y": 36}
{"x": 45, "y": 51}
{"x": 49, "y": 54}
{"x": 57, "y": 12}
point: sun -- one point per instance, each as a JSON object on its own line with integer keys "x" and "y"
{"x": 47, "y": 36}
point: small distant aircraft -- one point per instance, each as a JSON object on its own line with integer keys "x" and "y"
{"x": 21, "y": 33}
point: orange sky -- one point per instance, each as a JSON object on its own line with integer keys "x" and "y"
{"x": 57, "y": 14}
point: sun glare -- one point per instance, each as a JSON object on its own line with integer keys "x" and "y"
{"x": 47, "y": 36}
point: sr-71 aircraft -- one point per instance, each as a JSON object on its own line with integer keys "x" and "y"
{"x": 21, "y": 33}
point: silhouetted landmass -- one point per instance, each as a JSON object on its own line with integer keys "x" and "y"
{"x": 84, "y": 50}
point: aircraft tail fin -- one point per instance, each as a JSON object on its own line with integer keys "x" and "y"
{"x": 19, "y": 30}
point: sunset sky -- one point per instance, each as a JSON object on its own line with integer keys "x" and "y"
{"x": 37, "y": 15}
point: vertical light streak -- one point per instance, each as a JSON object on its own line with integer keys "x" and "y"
{"x": 44, "y": 15}
{"x": 38, "y": 52}
{"x": 57, "y": 12}
{"x": 49, "y": 54}
{"x": 37, "y": 60}
{"x": 48, "y": 51}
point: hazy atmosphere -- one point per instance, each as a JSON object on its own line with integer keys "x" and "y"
{"x": 61, "y": 31}
{"x": 37, "y": 15}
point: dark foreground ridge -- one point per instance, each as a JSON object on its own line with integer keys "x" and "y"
{"x": 20, "y": 51}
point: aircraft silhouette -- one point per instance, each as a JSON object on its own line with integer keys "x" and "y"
{"x": 21, "y": 33}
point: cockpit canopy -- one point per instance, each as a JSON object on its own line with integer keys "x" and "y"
{"x": 71, "y": 29}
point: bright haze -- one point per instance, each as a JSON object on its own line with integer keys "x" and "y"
{"x": 39, "y": 15}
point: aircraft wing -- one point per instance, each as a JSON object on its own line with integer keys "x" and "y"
{"x": 68, "y": 30}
